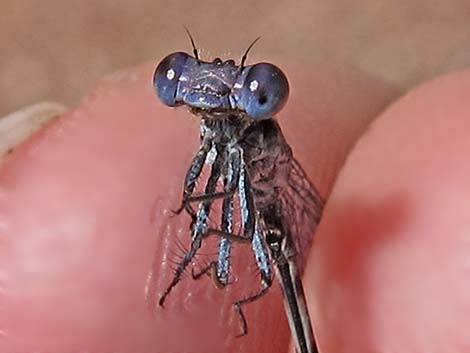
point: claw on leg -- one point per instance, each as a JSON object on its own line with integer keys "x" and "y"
{"x": 239, "y": 304}
{"x": 211, "y": 271}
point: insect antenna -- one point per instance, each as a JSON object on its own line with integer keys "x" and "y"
{"x": 196, "y": 55}
{"x": 242, "y": 64}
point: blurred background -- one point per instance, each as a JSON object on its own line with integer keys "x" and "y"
{"x": 56, "y": 49}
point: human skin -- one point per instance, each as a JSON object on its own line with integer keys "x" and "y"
{"x": 85, "y": 216}
{"x": 390, "y": 266}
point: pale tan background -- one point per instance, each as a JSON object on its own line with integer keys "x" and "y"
{"x": 56, "y": 49}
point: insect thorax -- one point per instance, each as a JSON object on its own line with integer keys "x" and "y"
{"x": 266, "y": 154}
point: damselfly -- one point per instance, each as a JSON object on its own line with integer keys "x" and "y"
{"x": 249, "y": 159}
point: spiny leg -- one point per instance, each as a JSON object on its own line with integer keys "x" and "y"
{"x": 199, "y": 226}
{"x": 219, "y": 269}
{"x": 247, "y": 204}
{"x": 195, "y": 245}
{"x": 210, "y": 270}
{"x": 200, "y": 198}
{"x": 251, "y": 232}
{"x": 239, "y": 304}
{"x": 262, "y": 260}
{"x": 192, "y": 175}
{"x": 248, "y": 216}
{"x": 223, "y": 260}
{"x": 204, "y": 197}
{"x": 247, "y": 209}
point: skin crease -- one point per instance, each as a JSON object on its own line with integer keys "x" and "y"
{"x": 88, "y": 237}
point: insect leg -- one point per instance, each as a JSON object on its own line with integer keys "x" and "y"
{"x": 219, "y": 269}
{"x": 262, "y": 260}
{"x": 195, "y": 245}
{"x": 247, "y": 205}
{"x": 247, "y": 208}
{"x": 192, "y": 175}
{"x": 205, "y": 197}
{"x": 231, "y": 184}
{"x": 239, "y": 304}
{"x": 199, "y": 226}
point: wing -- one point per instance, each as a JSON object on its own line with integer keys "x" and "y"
{"x": 302, "y": 207}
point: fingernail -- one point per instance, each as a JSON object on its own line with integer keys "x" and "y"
{"x": 17, "y": 127}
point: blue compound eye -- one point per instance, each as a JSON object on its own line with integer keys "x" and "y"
{"x": 264, "y": 91}
{"x": 166, "y": 76}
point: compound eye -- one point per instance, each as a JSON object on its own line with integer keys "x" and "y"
{"x": 166, "y": 77}
{"x": 264, "y": 91}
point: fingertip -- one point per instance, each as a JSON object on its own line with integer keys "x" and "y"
{"x": 107, "y": 175}
{"x": 330, "y": 106}
{"x": 77, "y": 210}
{"x": 389, "y": 263}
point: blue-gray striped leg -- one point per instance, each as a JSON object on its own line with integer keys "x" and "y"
{"x": 199, "y": 224}
{"x": 247, "y": 208}
{"x": 219, "y": 270}
{"x": 192, "y": 175}
{"x": 249, "y": 220}
{"x": 262, "y": 260}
